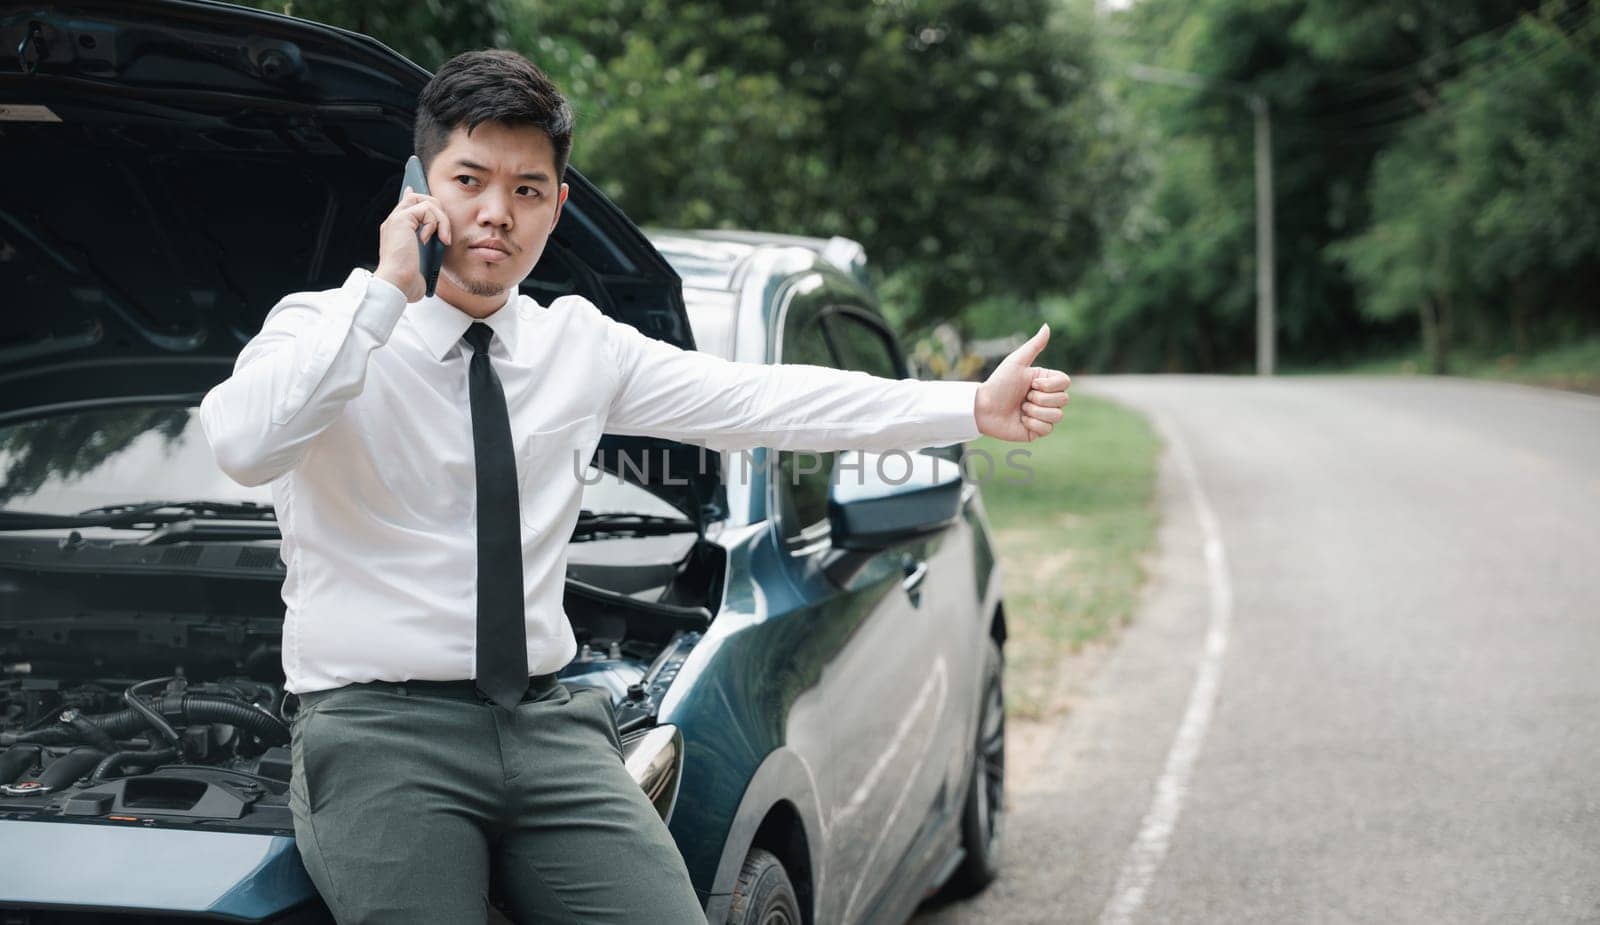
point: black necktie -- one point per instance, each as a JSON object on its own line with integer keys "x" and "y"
{"x": 502, "y": 636}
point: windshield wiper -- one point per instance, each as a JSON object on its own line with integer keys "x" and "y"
{"x": 181, "y": 520}
{"x": 182, "y": 510}
{"x": 145, "y": 515}
{"x": 594, "y": 526}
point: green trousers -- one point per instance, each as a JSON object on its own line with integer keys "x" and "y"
{"x": 410, "y": 807}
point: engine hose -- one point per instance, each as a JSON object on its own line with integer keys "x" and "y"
{"x": 122, "y": 724}
{"x": 68, "y": 768}
{"x": 17, "y": 759}
{"x": 110, "y": 762}
{"x": 118, "y": 725}
{"x": 91, "y": 732}
{"x": 156, "y": 720}
{"x": 198, "y": 708}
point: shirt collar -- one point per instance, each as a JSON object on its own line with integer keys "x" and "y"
{"x": 442, "y": 324}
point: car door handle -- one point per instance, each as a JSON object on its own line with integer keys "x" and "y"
{"x": 916, "y": 571}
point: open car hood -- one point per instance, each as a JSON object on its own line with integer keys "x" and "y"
{"x": 176, "y": 166}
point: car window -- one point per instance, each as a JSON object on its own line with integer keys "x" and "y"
{"x": 861, "y": 345}
{"x": 803, "y": 477}
{"x": 609, "y": 493}
{"x": 804, "y": 342}
{"x": 71, "y": 462}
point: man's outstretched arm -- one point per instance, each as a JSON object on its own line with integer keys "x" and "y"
{"x": 698, "y": 398}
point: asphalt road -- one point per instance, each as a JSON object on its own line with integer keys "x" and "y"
{"x": 1364, "y": 685}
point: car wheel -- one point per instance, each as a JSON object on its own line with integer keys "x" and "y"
{"x": 983, "y": 818}
{"x": 763, "y": 894}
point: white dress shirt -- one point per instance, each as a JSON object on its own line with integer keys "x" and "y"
{"x": 354, "y": 405}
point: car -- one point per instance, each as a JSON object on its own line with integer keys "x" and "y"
{"x": 876, "y": 776}
{"x": 805, "y": 668}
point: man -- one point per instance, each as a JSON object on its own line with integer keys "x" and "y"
{"x": 423, "y": 623}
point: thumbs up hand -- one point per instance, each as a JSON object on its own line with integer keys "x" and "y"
{"x": 1020, "y": 402}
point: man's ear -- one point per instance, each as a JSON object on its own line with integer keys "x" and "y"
{"x": 561, "y": 200}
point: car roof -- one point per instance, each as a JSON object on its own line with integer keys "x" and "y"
{"x": 714, "y": 258}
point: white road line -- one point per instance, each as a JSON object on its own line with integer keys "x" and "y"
{"x": 1149, "y": 848}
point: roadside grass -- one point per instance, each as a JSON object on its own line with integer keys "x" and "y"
{"x": 1072, "y": 541}
{"x": 1569, "y": 366}
{"x": 1574, "y": 366}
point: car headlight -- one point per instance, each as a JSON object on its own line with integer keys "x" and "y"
{"x": 655, "y": 759}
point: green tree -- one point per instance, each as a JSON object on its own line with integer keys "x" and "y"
{"x": 1486, "y": 214}
{"x": 1419, "y": 151}
{"x": 1175, "y": 289}
{"x": 963, "y": 142}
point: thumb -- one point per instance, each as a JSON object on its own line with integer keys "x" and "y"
{"x": 1030, "y": 349}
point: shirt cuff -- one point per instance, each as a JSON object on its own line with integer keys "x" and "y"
{"x": 953, "y": 406}
{"x": 382, "y": 304}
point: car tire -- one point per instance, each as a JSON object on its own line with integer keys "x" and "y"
{"x": 764, "y": 894}
{"x": 983, "y": 818}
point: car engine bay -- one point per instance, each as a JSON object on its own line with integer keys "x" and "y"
{"x": 119, "y": 704}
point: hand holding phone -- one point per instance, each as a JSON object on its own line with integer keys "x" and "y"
{"x": 430, "y": 252}
{"x": 417, "y": 226}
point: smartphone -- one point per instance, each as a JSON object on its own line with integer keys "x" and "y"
{"x": 430, "y": 253}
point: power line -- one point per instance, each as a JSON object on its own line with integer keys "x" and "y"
{"x": 1567, "y": 25}
{"x": 1407, "y": 73}
{"x": 1404, "y": 109}
{"x": 1493, "y": 65}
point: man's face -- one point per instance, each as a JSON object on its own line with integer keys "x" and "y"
{"x": 499, "y": 188}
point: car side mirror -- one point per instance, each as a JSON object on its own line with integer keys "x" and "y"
{"x": 879, "y": 500}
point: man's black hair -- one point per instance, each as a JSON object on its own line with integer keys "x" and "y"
{"x": 491, "y": 86}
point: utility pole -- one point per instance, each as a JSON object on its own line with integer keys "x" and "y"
{"x": 1266, "y": 288}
